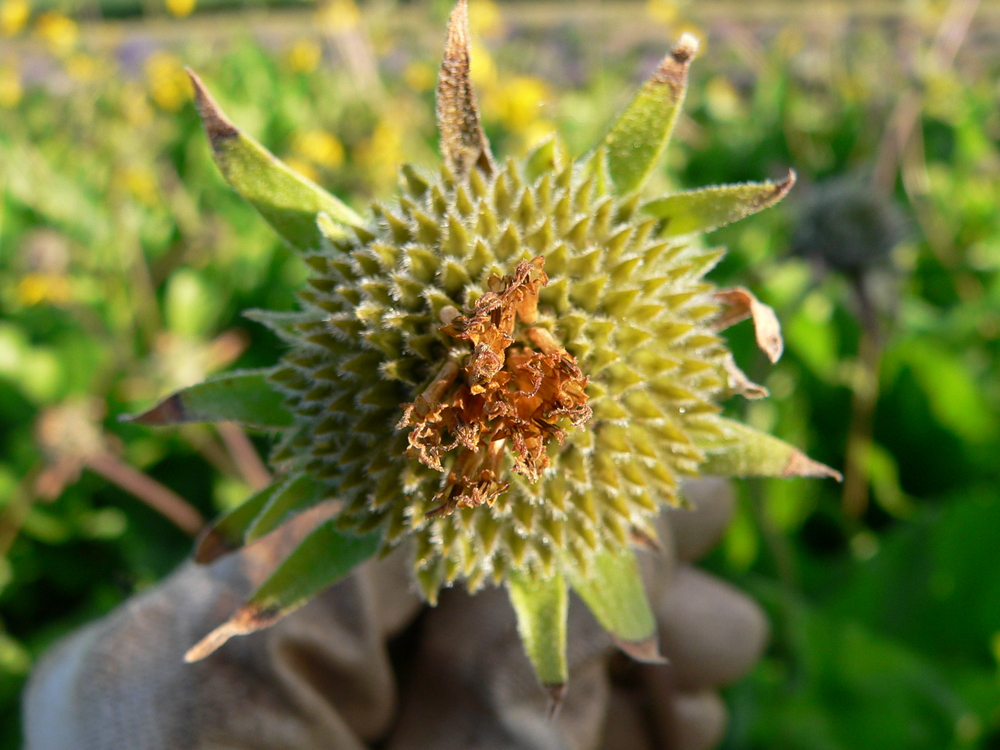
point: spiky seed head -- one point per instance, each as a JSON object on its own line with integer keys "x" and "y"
{"x": 553, "y": 357}
{"x": 509, "y": 368}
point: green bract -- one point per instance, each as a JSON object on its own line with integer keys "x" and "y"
{"x": 508, "y": 369}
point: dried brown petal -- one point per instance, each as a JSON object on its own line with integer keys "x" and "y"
{"x": 742, "y": 304}
{"x": 504, "y": 395}
{"x": 491, "y": 323}
{"x": 463, "y": 142}
{"x": 739, "y": 382}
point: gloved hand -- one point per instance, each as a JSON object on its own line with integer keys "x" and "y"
{"x": 327, "y": 675}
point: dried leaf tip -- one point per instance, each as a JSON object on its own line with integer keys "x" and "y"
{"x": 800, "y": 465}
{"x": 217, "y": 126}
{"x": 782, "y": 188}
{"x": 674, "y": 68}
{"x": 646, "y": 651}
{"x": 557, "y": 694}
{"x": 767, "y": 198}
{"x": 686, "y": 48}
{"x": 210, "y": 545}
{"x": 169, "y": 411}
{"x": 742, "y": 304}
{"x": 463, "y": 142}
{"x": 248, "y": 619}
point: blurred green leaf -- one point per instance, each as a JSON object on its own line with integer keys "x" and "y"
{"x": 245, "y": 397}
{"x": 954, "y": 395}
{"x": 325, "y": 556}
{"x": 191, "y": 307}
{"x": 542, "y": 606}
{"x": 811, "y": 334}
{"x": 298, "y": 493}
{"x": 14, "y": 658}
{"x": 226, "y": 532}
{"x": 614, "y": 592}
{"x": 741, "y": 543}
{"x": 885, "y": 482}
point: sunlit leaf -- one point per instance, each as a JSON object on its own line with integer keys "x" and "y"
{"x": 542, "y": 607}
{"x": 640, "y": 135}
{"x": 709, "y": 208}
{"x": 752, "y": 453}
{"x": 286, "y": 199}
{"x": 614, "y": 593}
{"x": 244, "y": 397}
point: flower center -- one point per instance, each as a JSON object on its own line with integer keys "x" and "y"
{"x": 512, "y": 390}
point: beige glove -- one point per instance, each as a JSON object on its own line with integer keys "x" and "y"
{"x": 324, "y": 676}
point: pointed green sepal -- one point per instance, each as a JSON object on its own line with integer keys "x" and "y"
{"x": 746, "y": 452}
{"x": 641, "y": 134}
{"x": 709, "y": 208}
{"x": 298, "y": 493}
{"x": 542, "y": 607}
{"x": 321, "y": 559}
{"x": 245, "y": 397}
{"x": 548, "y": 156}
{"x": 288, "y": 201}
{"x": 226, "y": 533}
{"x": 282, "y": 323}
{"x": 615, "y": 594}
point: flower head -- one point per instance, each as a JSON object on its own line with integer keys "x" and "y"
{"x": 508, "y": 368}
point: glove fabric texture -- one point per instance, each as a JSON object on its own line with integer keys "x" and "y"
{"x": 366, "y": 666}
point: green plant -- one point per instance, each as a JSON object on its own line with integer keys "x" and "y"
{"x": 553, "y": 344}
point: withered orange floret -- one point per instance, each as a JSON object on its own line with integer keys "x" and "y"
{"x": 503, "y": 395}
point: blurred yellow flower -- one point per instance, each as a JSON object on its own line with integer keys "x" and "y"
{"x": 135, "y": 105}
{"x": 303, "y": 167}
{"x": 10, "y": 86}
{"x": 59, "y": 32}
{"x": 304, "y": 56}
{"x": 722, "y": 100}
{"x": 339, "y": 15}
{"x": 82, "y": 67}
{"x": 34, "y": 288}
{"x": 180, "y": 8}
{"x": 537, "y": 132}
{"x": 419, "y": 76}
{"x": 168, "y": 84}
{"x": 483, "y": 70}
{"x": 141, "y": 182}
{"x": 484, "y": 18}
{"x": 663, "y": 11}
{"x": 13, "y": 16}
{"x": 320, "y": 147}
{"x": 520, "y": 102}
{"x": 382, "y": 153}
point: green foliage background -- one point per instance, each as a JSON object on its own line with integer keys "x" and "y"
{"x": 124, "y": 260}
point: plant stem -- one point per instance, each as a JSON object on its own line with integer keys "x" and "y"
{"x": 244, "y": 455}
{"x": 158, "y": 497}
